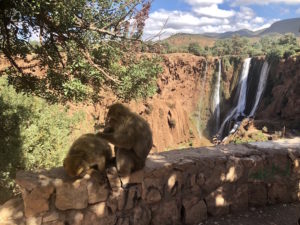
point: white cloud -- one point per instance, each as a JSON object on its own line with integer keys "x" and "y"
{"x": 258, "y": 19}
{"x": 203, "y": 19}
{"x": 245, "y": 13}
{"x": 213, "y": 11}
{"x": 298, "y": 11}
{"x": 264, "y": 2}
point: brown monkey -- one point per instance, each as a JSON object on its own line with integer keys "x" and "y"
{"x": 130, "y": 134}
{"x": 87, "y": 151}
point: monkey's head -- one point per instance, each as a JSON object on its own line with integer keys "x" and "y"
{"x": 117, "y": 113}
{"x": 73, "y": 166}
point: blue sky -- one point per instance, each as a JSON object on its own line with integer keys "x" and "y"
{"x": 199, "y": 16}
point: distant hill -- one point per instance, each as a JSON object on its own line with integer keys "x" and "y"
{"x": 279, "y": 27}
{"x": 284, "y": 26}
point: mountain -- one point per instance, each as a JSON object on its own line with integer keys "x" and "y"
{"x": 279, "y": 27}
{"x": 284, "y": 26}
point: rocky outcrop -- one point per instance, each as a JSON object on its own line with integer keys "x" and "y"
{"x": 282, "y": 95}
{"x": 175, "y": 187}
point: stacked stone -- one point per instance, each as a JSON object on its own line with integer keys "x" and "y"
{"x": 176, "y": 187}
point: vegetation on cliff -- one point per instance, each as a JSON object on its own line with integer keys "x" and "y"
{"x": 274, "y": 47}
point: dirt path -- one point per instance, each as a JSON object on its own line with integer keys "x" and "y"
{"x": 283, "y": 214}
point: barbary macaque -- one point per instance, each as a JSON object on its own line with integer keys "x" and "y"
{"x": 85, "y": 153}
{"x": 131, "y": 135}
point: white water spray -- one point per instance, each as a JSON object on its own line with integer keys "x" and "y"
{"x": 242, "y": 87}
{"x": 261, "y": 86}
{"x": 200, "y": 104}
{"x": 217, "y": 97}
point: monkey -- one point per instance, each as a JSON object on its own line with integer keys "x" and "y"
{"x": 86, "y": 152}
{"x": 131, "y": 135}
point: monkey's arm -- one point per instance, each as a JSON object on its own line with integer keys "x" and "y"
{"x": 120, "y": 139}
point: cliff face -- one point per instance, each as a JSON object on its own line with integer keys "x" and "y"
{"x": 183, "y": 90}
{"x": 281, "y": 100}
{"x": 182, "y": 112}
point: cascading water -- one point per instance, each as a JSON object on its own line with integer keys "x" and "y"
{"x": 200, "y": 103}
{"x": 261, "y": 86}
{"x": 243, "y": 89}
{"x": 238, "y": 110}
{"x": 217, "y": 97}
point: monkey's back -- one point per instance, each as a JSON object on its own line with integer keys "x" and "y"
{"x": 89, "y": 146}
{"x": 143, "y": 135}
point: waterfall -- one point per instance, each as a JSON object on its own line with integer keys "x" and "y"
{"x": 217, "y": 97}
{"x": 201, "y": 100}
{"x": 261, "y": 86}
{"x": 238, "y": 110}
{"x": 243, "y": 89}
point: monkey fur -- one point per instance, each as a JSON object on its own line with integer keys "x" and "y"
{"x": 86, "y": 152}
{"x": 131, "y": 135}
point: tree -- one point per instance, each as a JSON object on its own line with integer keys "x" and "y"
{"x": 79, "y": 41}
{"x": 195, "y": 49}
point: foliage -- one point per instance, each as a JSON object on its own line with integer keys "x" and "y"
{"x": 138, "y": 79}
{"x": 195, "y": 49}
{"x": 78, "y": 42}
{"x": 282, "y": 47}
{"x": 33, "y": 134}
{"x": 258, "y": 136}
{"x": 274, "y": 47}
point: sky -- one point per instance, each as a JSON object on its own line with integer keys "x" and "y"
{"x": 169, "y": 17}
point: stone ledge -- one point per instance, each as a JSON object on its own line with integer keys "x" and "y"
{"x": 176, "y": 187}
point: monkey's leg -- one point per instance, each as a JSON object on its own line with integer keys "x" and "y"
{"x": 101, "y": 163}
{"x": 124, "y": 161}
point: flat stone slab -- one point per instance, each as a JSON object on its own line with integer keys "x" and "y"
{"x": 282, "y": 144}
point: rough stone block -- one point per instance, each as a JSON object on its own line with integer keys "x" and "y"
{"x": 99, "y": 209}
{"x": 72, "y": 195}
{"x": 217, "y": 203}
{"x": 36, "y": 201}
{"x": 166, "y": 212}
{"x": 91, "y": 219}
{"x": 113, "y": 178}
{"x": 239, "y": 199}
{"x": 97, "y": 188}
{"x": 141, "y": 216}
{"x": 134, "y": 178}
{"x": 234, "y": 169}
{"x": 278, "y": 193}
{"x": 34, "y": 221}
{"x": 257, "y": 193}
{"x": 151, "y": 190}
{"x": 12, "y": 211}
{"x": 174, "y": 183}
{"x": 195, "y": 210}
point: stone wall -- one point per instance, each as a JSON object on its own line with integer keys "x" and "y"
{"x": 177, "y": 187}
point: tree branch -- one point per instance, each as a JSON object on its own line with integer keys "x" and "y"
{"x": 90, "y": 60}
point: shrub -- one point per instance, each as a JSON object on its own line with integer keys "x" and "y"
{"x": 195, "y": 49}
{"x": 33, "y": 134}
{"x": 139, "y": 79}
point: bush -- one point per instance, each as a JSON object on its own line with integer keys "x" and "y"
{"x": 275, "y": 54}
{"x": 139, "y": 79}
{"x": 288, "y": 53}
{"x": 195, "y": 49}
{"x": 33, "y": 135}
